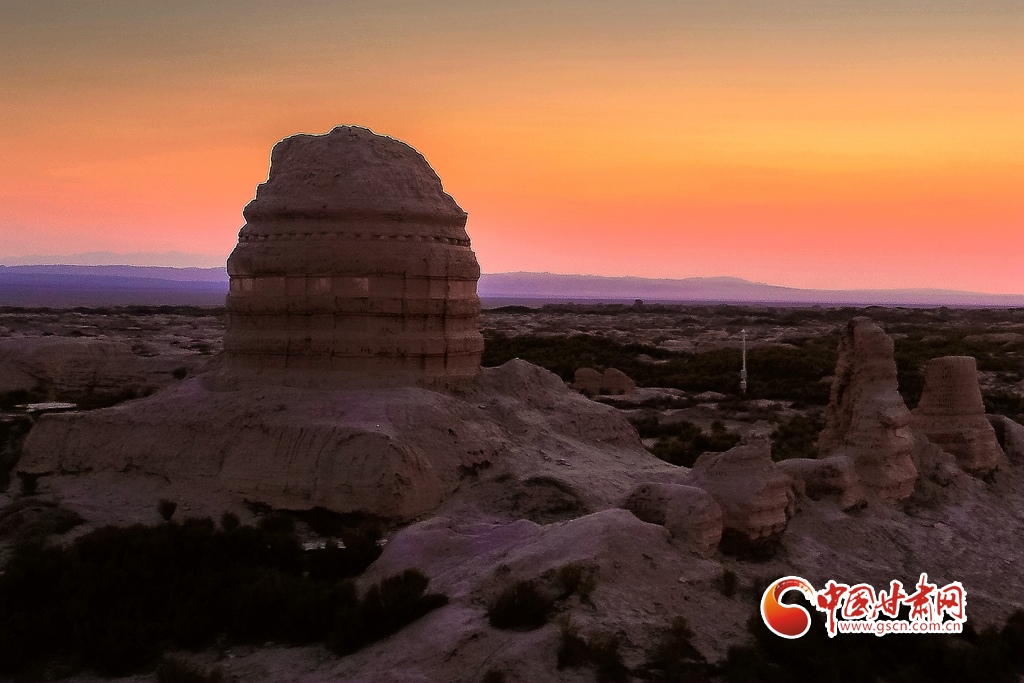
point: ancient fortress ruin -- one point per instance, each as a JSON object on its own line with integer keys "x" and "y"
{"x": 353, "y": 267}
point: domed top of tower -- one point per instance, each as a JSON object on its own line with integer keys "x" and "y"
{"x": 351, "y": 173}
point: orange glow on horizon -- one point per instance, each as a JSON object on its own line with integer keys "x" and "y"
{"x": 794, "y": 148}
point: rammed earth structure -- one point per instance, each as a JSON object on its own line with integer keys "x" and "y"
{"x": 353, "y": 268}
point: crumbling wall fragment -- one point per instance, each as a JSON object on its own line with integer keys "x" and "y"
{"x": 952, "y": 414}
{"x": 689, "y": 513}
{"x": 755, "y": 496}
{"x": 832, "y": 476}
{"x": 866, "y": 419}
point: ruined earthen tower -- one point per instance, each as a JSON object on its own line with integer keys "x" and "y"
{"x": 866, "y": 419}
{"x": 952, "y": 414}
{"x": 353, "y": 268}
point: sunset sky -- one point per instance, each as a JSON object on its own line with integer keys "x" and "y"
{"x": 808, "y": 143}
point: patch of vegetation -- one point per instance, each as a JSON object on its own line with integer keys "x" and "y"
{"x": 520, "y": 607}
{"x": 180, "y": 670}
{"x": 791, "y": 372}
{"x": 576, "y": 580}
{"x": 13, "y": 430}
{"x": 681, "y": 443}
{"x": 601, "y": 651}
{"x": 31, "y": 520}
{"x": 994, "y": 655}
{"x": 922, "y": 344}
{"x": 385, "y": 609}
{"x": 727, "y": 583}
{"x": 798, "y": 437}
{"x": 675, "y": 658}
{"x": 166, "y": 508}
{"x": 116, "y": 598}
{"x": 1005, "y": 403}
{"x": 493, "y": 676}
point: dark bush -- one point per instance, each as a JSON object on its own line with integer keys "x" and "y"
{"x": 179, "y": 670}
{"x": 681, "y": 443}
{"x": 116, "y": 598}
{"x": 13, "y": 430}
{"x": 727, "y": 583}
{"x": 600, "y": 651}
{"x": 520, "y": 607}
{"x": 675, "y": 658}
{"x": 774, "y": 372}
{"x": 229, "y": 522}
{"x": 995, "y": 656}
{"x": 29, "y": 483}
{"x": 493, "y": 676}
{"x": 797, "y": 438}
{"x": 166, "y": 508}
{"x": 384, "y": 610}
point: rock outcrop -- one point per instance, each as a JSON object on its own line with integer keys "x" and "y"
{"x": 617, "y": 382}
{"x": 587, "y": 380}
{"x": 354, "y": 268}
{"x": 396, "y": 452}
{"x": 755, "y": 496}
{"x": 611, "y": 381}
{"x": 952, "y": 414}
{"x": 866, "y": 419}
{"x": 83, "y": 369}
{"x": 832, "y": 476}
{"x": 1010, "y": 435}
{"x": 690, "y": 514}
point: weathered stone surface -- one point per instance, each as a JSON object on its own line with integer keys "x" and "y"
{"x": 617, "y": 382}
{"x": 588, "y": 380}
{"x": 1010, "y": 435}
{"x": 934, "y": 463}
{"x": 82, "y": 368}
{"x": 395, "y": 451}
{"x": 832, "y": 476}
{"x": 611, "y": 381}
{"x": 754, "y": 495}
{"x": 866, "y": 419}
{"x": 952, "y": 414}
{"x": 354, "y": 268}
{"x": 689, "y": 513}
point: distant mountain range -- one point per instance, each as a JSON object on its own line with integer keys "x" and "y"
{"x": 551, "y": 286}
{"x": 64, "y": 286}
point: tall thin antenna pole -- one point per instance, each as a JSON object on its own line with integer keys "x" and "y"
{"x": 743, "y": 372}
